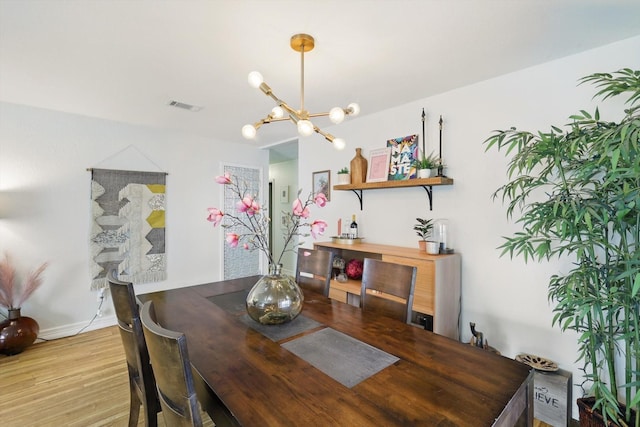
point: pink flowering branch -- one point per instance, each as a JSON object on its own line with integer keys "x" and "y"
{"x": 251, "y": 217}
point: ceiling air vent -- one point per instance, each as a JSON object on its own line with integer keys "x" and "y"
{"x": 184, "y": 106}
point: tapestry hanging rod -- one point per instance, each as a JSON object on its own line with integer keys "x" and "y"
{"x": 128, "y": 170}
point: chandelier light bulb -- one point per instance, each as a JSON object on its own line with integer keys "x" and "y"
{"x": 339, "y": 143}
{"x": 353, "y": 108}
{"x": 336, "y": 115}
{"x": 255, "y": 79}
{"x": 277, "y": 112}
{"x": 249, "y": 131}
{"x": 305, "y": 127}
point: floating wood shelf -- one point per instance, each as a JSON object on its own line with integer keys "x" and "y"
{"x": 426, "y": 183}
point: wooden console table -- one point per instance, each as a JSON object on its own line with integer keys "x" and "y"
{"x": 436, "y": 298}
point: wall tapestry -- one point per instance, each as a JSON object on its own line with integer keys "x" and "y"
{"x": 128, "y": 226}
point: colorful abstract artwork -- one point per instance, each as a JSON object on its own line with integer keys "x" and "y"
{"x": 404, "y": 153}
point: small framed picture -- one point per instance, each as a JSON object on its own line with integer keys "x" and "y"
{"x": 322, "y": 183}
{"x": 378, "y": 170}
{"x": 284, "y": 194}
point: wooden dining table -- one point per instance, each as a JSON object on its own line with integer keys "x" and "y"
{"x": 429, "y": 380}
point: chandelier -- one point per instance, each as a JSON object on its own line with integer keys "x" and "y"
{"x": 282, "y": 111}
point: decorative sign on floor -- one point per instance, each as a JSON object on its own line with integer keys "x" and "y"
{"x": 552, "y": 397}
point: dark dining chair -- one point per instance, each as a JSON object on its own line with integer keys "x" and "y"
{"x": 174, "y": 378}
{"x": 183, "y": 392}
{"x": 142, "y": 385}
{"x": 387, "y": 288}
{"x": 313, "y": 270}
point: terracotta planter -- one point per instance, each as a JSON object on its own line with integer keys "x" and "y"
{"x": 17, "y": 333}
{"x": 422, "y": 244}
{"x": 591, "y": 418}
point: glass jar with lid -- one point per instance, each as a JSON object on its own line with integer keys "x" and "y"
{"x": 442, "y": 234}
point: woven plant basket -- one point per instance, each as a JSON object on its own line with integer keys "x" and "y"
{"x": 591, "y": 418}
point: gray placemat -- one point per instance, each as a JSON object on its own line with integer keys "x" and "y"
{"x": 233, "y": 302}
{"x": 345, "y": 359}
{"x": 285, "y": 330}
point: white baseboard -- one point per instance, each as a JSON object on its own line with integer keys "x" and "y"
{"x": 75, "y": 328}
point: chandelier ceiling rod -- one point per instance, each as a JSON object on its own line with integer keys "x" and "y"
{"x": 305, "y": 44}
{"x": 300, "y": 43}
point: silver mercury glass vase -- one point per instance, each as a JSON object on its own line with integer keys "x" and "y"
{"x": 276, "y": 298}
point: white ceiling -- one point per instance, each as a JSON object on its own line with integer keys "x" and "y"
{"x": 125, "y": 60}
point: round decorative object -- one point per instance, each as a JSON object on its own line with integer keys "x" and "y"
{"x": 354, "y": 269}
{"x": 537, "y": 362}
{"x": 276, "y": 298}
{"x": 17, "y": 333}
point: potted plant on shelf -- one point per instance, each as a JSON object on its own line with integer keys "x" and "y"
{"x": 343, "y": 176}
{"x": 17, "y": 332}
{"x": 423, "y": 229}
{"x": 426, "y": 164}
{"x": 576, "y": 193}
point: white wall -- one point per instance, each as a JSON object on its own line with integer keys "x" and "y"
{"x": 506, "y": 298}
{"x": 45, "y": 201}
{"x": 283, "y": 174}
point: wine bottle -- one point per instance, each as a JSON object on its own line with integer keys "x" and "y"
{"x": 353, "y": 228}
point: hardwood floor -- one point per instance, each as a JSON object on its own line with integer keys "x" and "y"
{"x": 78, "y": 381}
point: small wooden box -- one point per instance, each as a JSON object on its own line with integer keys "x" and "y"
{"x": 552, "y": 397}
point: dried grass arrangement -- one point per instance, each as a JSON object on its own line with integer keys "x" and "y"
{"x": 12, "y": 296}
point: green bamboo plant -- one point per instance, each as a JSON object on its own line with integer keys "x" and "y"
{"x": 576, "y": 194}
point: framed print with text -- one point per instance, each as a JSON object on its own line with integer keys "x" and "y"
{"x": 404, "y": 154}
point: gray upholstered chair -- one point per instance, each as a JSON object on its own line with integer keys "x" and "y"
{"x": 313, "y": 270}
{"x": 387, "y": 288}
{"x": 142, "y": 384}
